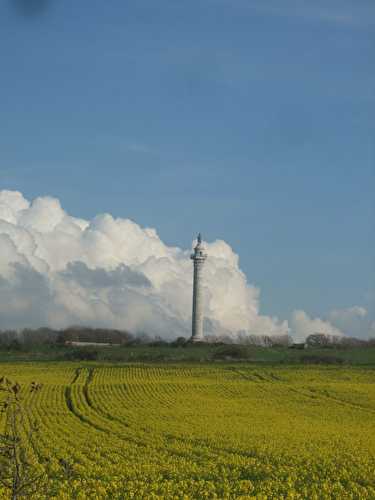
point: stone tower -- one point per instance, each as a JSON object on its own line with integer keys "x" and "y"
{"x": 199, "y": 256}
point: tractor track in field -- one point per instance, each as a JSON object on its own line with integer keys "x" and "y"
{"x": 72, "y": 408}
{"x": 85, "y": 391}
{"x": 198, "y": 449}
{"x": 70, "y": 403}
{"x": 198, "y": 454}
{"x": 86, "y": 396}
{"x": 257, "y": 378}
{"x": 324, "y": 397}
{"x": 94, "y": 408}
{"x": 261, "y": 380}
{"x": 77, "y": 373}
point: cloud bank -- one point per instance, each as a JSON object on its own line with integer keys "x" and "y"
{"x": 354, "y": 321}
{"x": 57, "y": 270}
{"x": 303, "y": 325}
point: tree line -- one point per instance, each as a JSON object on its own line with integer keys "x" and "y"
{"x": 28, "y": 338}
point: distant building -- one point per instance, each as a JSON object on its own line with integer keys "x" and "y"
{"x": 89, "y": 344}
{"x": 85, "y": 335}
{"x": 298, "y": 345}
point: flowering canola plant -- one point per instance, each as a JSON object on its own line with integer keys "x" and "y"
{"x": 201, "y": 431}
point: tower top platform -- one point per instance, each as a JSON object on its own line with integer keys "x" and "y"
{"x": 199, "y": 250}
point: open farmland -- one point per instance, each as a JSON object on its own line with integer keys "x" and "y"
{"x": 201, "y": 430}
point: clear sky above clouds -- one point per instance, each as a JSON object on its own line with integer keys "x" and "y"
{"x": 250, "y": 120}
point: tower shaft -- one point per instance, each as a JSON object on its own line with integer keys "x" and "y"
{"x": 197, "y": 326}
{"x": 198, "y": 258}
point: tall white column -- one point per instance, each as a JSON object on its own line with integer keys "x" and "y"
{"x": 198, "y": 257}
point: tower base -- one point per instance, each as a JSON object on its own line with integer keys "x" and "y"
{"x": 196, "y": 339}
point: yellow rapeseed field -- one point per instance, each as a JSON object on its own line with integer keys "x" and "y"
{"x": 200, "y": 431}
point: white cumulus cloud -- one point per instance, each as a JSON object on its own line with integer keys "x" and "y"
{"x": 59, "y": 270}
{"x": 348, "y": 314}
{"x": 353, "y": 321}
{"x": 302, "y": 325}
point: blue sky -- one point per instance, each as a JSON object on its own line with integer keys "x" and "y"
{"x": 250, "y": 120}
